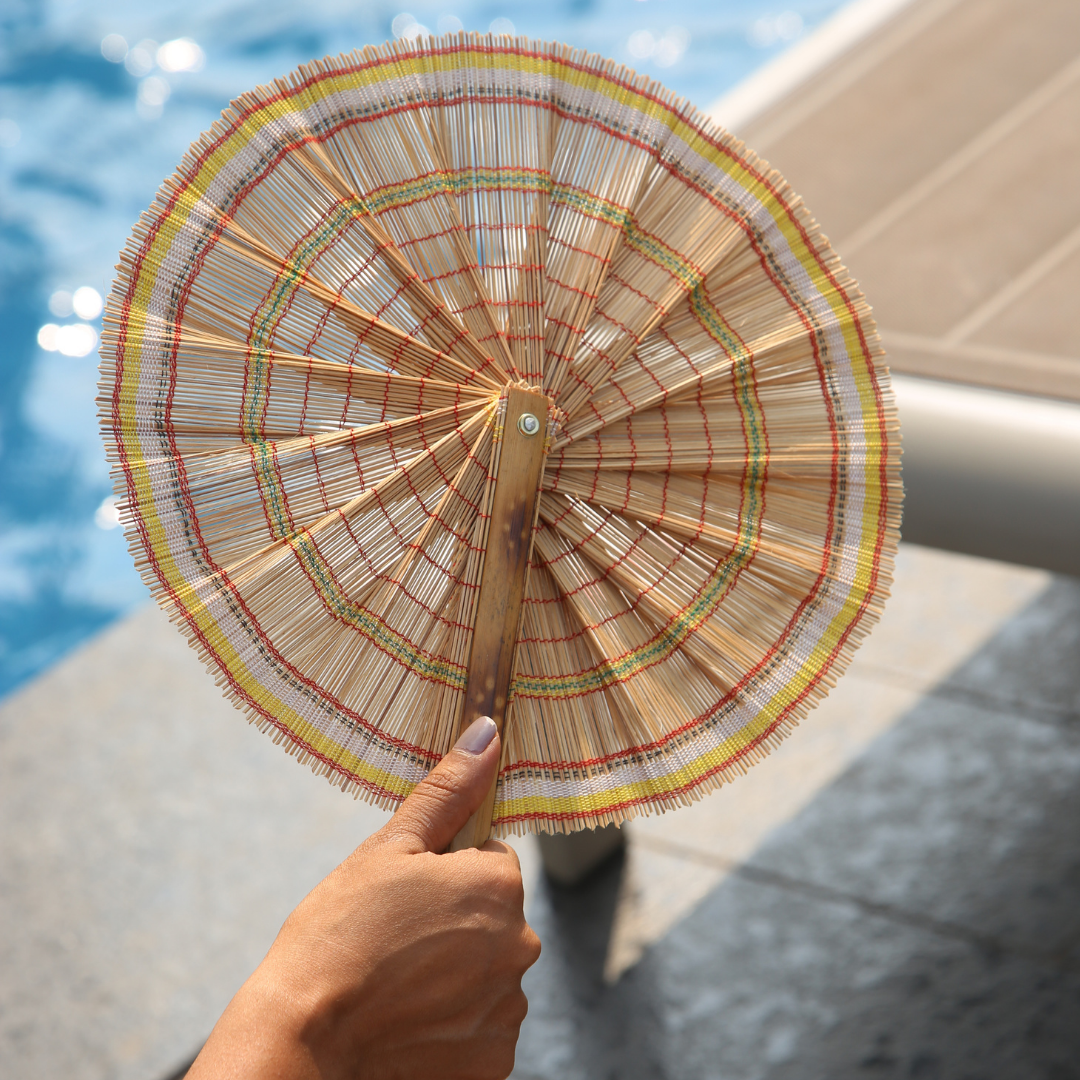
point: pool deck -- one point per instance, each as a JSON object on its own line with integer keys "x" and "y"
{"x": 893, "y": 894}
{"x": 897, "y": 884}
{"x": 942, "y": 155}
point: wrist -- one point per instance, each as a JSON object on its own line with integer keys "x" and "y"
{"x": 260, "y": 1035}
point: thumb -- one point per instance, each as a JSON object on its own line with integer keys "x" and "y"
{"x": 441, "y": 804}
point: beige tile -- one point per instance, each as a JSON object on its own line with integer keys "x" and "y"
{"x": 1044, "y": 319}
{"x": 968, "y": 239}
{"x": 870, "y": 143}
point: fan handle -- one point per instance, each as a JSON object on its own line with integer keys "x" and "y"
{"x": 502, "y": 583}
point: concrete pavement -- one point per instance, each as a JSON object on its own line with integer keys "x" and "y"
{"x": 919, "y": 826}
{"x": 917, "y": 916}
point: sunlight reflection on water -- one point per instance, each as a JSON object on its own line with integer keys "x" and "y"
{"x": 98, "y": 101}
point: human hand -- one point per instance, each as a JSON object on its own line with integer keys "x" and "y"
{"x": 404, "y": 962}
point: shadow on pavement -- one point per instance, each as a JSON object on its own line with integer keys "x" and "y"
{"x": 921, "y": 918}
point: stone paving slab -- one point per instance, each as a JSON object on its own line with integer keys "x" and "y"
{"x": 943, "y": 609}
{"x": 155, "y": 841}
{"x": 917, "y": 919}
{"x": 1034, "y": 664}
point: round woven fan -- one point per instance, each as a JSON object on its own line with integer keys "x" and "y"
{"x": 477, "y": 375}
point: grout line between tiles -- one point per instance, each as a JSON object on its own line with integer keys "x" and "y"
{"x": 996, "y": 132}
{"x": 1053, "y": 715}
{"x": 1014, "y": 289}
{"x": 798, "y": 105}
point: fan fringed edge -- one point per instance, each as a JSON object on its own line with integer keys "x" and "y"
{"x": 304, "y": 364}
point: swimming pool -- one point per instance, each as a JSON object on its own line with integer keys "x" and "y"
{"x": 98, "y": 101}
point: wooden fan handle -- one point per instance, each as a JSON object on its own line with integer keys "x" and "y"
{"x": 502, "y": 583}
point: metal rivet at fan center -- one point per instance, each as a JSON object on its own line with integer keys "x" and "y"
{"x": 528, "y": 425}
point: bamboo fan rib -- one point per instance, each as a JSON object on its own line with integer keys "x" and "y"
{"x": 305, "y": 366}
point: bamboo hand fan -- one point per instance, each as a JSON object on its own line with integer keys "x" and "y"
{"x": 480, "y": 376}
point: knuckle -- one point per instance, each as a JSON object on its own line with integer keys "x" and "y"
{"x": 512, "y": 873}
{"x": 532, "y": 946}
{"x": 501, "y": 847}
{"x": 501, "y": 881}
{"x": 432, "y": 793}
{"x": 518, "y": 1009}
{"x": 427, "y": 803}
{"x": 525, "y": 953}
{"x": 443, "y": 779}
{"x": 507, "y": 877}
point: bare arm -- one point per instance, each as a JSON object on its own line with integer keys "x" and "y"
{"x": 403, "y": 962}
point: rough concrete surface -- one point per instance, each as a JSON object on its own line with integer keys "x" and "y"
{"x": 892, "y": 893}
{"x": 918, "y": 918}
{"x": 153, "y": 843}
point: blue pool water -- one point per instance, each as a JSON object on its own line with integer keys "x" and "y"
{"x": 85, "y": 139}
